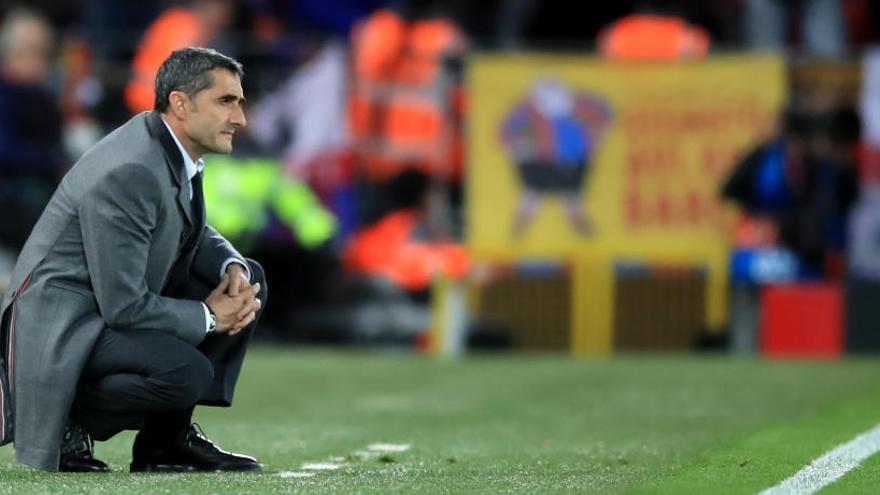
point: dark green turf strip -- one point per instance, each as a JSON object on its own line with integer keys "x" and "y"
{"x": 484, "y": 424}
{"x": 760, "y": 460}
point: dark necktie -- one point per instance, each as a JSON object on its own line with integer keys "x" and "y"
{"x": 180, "y": 271}
{"x": 197, "y": 208}
{"x": 197, "y": 202}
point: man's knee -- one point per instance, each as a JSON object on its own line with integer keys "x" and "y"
{"x": 258, "y": 275}
{"x": 185, "y": 383}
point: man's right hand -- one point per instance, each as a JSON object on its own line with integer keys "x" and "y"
{"x": 229, "y": 309}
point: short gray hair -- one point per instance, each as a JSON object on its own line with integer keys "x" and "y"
{"x": 189, "y": 70}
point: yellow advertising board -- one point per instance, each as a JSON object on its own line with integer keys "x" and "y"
{"x": 656, "y": 141}
{"x": 587, "y": 160}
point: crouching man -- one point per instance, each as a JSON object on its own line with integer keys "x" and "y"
{"x": 125, "y": 309}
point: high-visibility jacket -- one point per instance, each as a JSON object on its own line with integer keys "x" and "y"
{"x": 404, "y": 107}
{"x": 176, "y": 28}
{"x": 653, "y": 37}
{"x": 390, "y": 249}
{"x": 239, "y": 194}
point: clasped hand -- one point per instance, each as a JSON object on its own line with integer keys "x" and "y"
{"x": 234, "y": 301}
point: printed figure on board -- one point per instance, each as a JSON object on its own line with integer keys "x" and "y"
{"x": 552, "y": 136}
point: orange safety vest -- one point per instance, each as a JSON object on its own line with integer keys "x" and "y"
{"x": 403, "y": 107}
{"x": 653, "y": 37}
{"x": 388, "y": 249}
{"x": 174, "y": 29}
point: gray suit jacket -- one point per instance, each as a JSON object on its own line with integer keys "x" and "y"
{"x": 100, "y": 256}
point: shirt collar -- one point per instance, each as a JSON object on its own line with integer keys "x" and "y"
{"x": 191, "y": 167}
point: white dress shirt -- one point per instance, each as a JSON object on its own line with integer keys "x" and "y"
{"x": 192, "y": 168}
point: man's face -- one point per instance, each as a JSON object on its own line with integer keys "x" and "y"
{"x": 28, "y": 58}
{"x": 214, "y": 114}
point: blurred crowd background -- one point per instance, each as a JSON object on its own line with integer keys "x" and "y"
{"x": 506, "y": 174}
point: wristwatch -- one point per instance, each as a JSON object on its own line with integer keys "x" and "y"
{"x": 212, "y": 320}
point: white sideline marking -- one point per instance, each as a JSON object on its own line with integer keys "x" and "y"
{"x": 373, "y": 450}
{"x": 831, "y": 466}
{"x": 321, "y": 466}
{"x": 389, "y": 447}
{"x": 295, "y": 474}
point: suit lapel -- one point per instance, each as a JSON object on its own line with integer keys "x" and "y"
{"x": 173, "y": 158}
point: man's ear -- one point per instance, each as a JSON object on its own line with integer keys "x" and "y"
{"x": 177, "y": 102}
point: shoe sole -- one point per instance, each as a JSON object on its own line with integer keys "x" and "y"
{"x": 177, "y": 468}
{"x": 253, "y": 468}
{"x": 162, "y": 468}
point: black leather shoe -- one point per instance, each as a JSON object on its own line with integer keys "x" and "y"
{"x": 76, "y": 452}
{"x": 189, "y": 451}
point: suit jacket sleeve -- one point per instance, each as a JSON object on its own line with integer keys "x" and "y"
{"x": 212, "y": 251}
{"x": 117, "y": 218}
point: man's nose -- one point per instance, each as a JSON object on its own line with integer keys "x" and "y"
{"x": 237, "y": 119}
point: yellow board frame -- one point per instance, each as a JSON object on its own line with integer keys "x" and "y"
{"x": 593, "y": 288}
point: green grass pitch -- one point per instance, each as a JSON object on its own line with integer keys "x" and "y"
{"x": 513, "y": 423}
